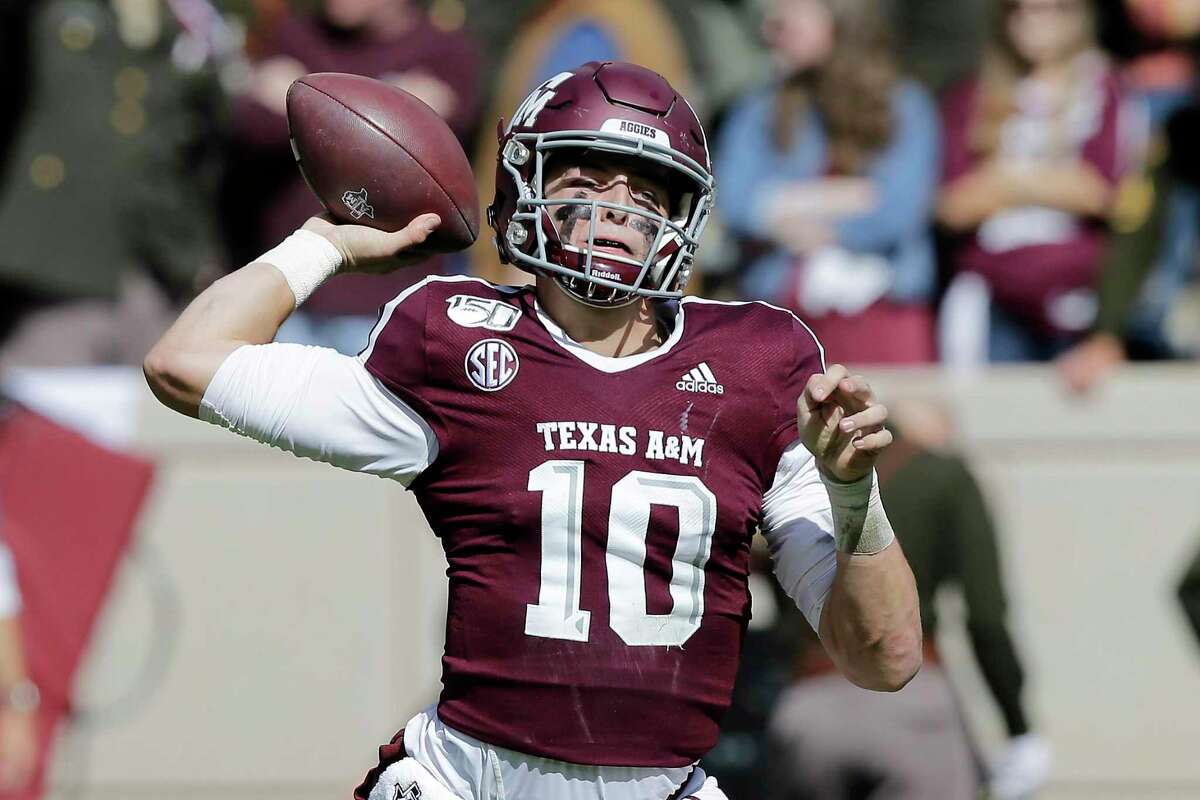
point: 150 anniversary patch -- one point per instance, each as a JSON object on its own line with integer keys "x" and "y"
{"x": 482, "y": 312}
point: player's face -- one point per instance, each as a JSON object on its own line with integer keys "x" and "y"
{"x": 800, "y": 34}
{"x": 614, "y": 180}
{"x": 1046, "y": 31}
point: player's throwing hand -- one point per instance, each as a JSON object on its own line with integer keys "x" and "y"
{"x": 842, "y": 424}
{"x": 365, "y": 249}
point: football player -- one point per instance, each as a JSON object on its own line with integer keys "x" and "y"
{"x": 595, "y": 453}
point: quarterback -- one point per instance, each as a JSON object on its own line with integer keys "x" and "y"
{"x": 595, "y": 453}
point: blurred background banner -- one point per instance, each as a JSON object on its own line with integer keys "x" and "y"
{"x": 994, "y": 205}
{"x": 69, "y": 508}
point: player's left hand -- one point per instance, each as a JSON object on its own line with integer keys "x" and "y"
{"x": 841, "y": 423}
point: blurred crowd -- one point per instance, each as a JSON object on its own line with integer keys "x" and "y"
{"x": 958, "y": 182}
{"x": 923, "y": 181}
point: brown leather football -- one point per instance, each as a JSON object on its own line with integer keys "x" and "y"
{"x": 376, "y": 155}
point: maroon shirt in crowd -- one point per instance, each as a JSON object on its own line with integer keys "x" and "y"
{"x": 275, "y": 192}
{"x": 660, "y": 460}
{"x": 1027, "y": 278}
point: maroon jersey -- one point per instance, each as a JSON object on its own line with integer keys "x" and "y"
{"x": 596, "y": 513}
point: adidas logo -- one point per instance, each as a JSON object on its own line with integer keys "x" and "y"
{"x": 700, "y": 379}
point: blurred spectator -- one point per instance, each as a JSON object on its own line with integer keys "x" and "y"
{"x": 835, "y": 740}
{"x": 261, "y": 16}
{"x": 105, "y": 207}
{"x": 718, "y": 37}
{"x": 1032, "y": 154}
{"x": 1159, "y": 209}
{"x": 940, "y": 42}
{"x": 831, "y": 740}
{"x": 559, "y": 35}
{"x": 950, "y": 540}
{"x": 1155, "y": 44}
{"x": 266, "y": 199}
{"x": 1149, "y": 282}
{"x": 828, "y": 175}
{"x": 19, "y": 696}
{"x": 1149, "y": 40}
{"x": 1164, "y": 317}
{"x": 723, "y": 50}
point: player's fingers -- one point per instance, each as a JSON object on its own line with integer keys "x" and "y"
{"x": 831, "y": 438}
{"x": 817, "y": 423}
{"x": 873, "y": 442}
{"x": 858, "y": 386}
{"x": 831, "y": 418}
{"x": 819, "y": 427}
{"x": 873, "y": 416}
{"x": 807, "y": 401}
{"x": 855, "y": 392}
{"x": 821, "y": 386}
{"x": 414, "y": 233}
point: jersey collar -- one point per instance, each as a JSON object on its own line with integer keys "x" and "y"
{"x": 609, "y": 364}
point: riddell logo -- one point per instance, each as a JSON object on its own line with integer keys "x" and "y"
{"x": 700, "y": 379}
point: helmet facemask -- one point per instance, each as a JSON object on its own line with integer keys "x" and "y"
{"x": 534, "y": 236}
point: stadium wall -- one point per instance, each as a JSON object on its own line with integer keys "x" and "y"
{"x": 294, "y": 612}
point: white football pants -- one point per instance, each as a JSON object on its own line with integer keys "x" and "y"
{"x": 408, "y": 780}
{"x": 460, "y": 767}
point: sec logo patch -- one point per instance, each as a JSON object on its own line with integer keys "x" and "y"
{"x": 492, "y": 364}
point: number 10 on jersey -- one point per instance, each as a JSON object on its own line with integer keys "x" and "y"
{"x": 557, "y": 614}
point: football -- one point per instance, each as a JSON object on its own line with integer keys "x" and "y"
{"x": 376, "y": 155}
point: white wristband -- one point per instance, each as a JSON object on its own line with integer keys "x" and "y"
{"x": 860, "y": 526}
{"x": 306, "y": 260}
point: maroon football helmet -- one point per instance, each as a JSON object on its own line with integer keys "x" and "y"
{"x": 608, "y": 108}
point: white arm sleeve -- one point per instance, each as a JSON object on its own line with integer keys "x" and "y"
{"x": 319, "y": 404}
{"x": 798, "y": 527}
